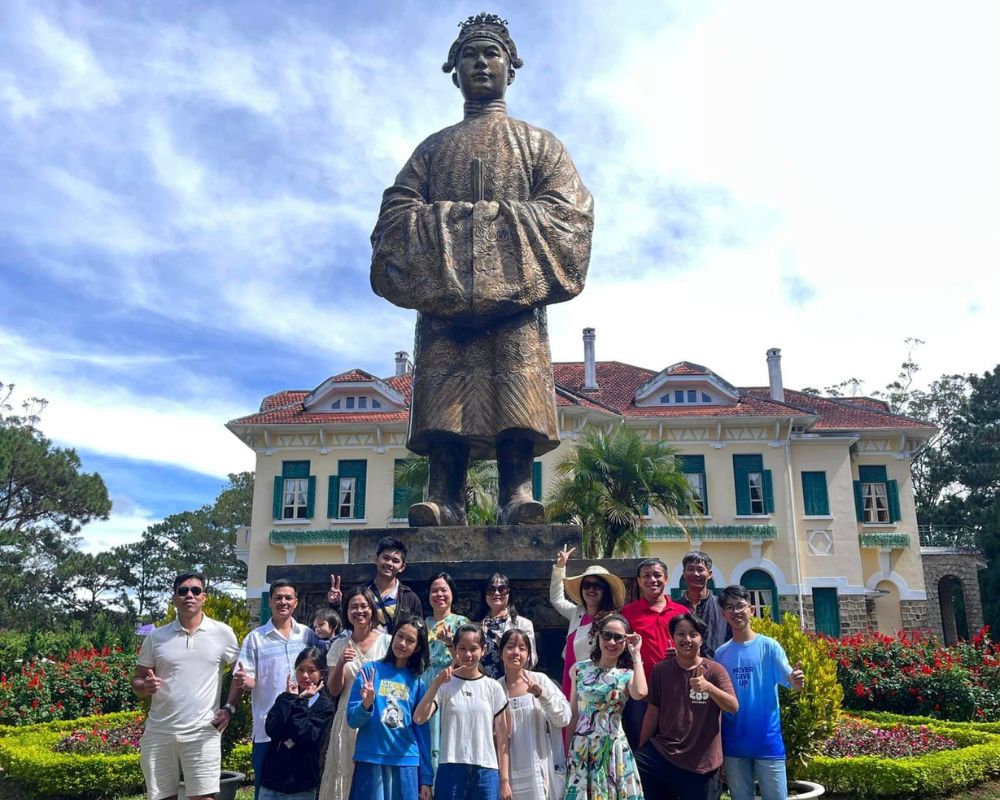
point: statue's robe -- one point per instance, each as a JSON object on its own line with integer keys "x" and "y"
{"x": 481, "y": 273}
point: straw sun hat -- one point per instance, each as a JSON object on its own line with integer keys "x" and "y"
{"x": 572, "y": 585}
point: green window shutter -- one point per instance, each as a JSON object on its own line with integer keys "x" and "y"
{"x": 265, "y": 607}
{"x": 742, "y": 466}
{"x": 768, "y": 492}
{"x": 279, "y": 490}
{"x": 859, "y": 503}
{"x": 689, "y": 464}
{"x": 536, "y": 480}
{"x": 892, "y": 490}
{"x": 357, "y": 469}
{"x": 815, "y": 501}
{"x": 311, "y": 497}
{"x": 333, "y": 497}
{"x": 876, "y": 474}
{"x": 294, "y": 469}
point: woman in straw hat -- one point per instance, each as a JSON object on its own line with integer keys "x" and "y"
{"x": 592, "y": 596}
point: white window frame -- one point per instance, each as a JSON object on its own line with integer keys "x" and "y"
{"x": 758, "y": 507}
{"x": 295, "y": 498}
{"x": 696, "y": 480}
{"x": 761, "y": 599}
{"x": 346, "y": 494}
{"x": 875, "y": 501}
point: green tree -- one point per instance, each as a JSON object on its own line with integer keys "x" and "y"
{"x": 143, "y": 576}
{"x": 607, "y": 484}
{"x": 87, "y": 580}
{"x": 44, "y": 500}
{"x": 411, "y": 474}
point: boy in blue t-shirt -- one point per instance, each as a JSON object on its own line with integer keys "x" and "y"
{"x": 751, "y": 738}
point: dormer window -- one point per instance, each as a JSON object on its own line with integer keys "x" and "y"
{"x": 358, "y": 402}
{"x": 686, "y": 397}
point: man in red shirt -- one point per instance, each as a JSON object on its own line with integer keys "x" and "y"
{"x": 650, "y": 617}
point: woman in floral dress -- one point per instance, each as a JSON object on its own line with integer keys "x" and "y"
{"x": 601, "y": 765}
{"x": 441, "y": 627}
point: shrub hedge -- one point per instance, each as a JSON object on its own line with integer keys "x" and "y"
{"x": 27, "y": 759}
{"x": 976, "y": 760}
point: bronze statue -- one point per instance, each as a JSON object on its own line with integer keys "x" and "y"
{"x": 486, "y": 224}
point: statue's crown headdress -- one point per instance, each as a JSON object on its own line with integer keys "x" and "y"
{"x": 483, "y": 26}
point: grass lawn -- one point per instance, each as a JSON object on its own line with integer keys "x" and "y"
{"x": 8, "y": 792}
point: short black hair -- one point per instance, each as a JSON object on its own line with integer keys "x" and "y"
{"x": 649, "y": 562}
{"x": 697, "y": 557}
{"x": 418, "y": 662}
{"x": 186, "y": 576}
{"x": 283, "y": 583}
{"x": 733, "y": 592}
{"x": 318, "y": 656}
{"x": 696, "y": 622}
{"x": 330, "y": 616}
{"x": 389, "y": 543}
{"x": 509, "y": 634}
{"x": 470, "y": 627}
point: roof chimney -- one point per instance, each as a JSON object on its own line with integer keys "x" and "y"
{"x": 774, "y": 374}
{"x": 589, "y": 364}
{"x": 403, "y": 365}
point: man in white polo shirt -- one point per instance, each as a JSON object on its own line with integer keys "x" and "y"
{"x": 180, "y": 667}
{"x": 265, "y": 662}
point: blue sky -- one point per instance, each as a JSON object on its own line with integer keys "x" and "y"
{"x": 188, "y": 191}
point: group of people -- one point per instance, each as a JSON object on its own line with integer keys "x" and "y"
{"x": 657, "y": 697}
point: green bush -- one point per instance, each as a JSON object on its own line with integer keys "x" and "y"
{"x": 28, "y": 760}
{"x": 976, "y": 760}
{"x": 888, "y": 718}
{"x": 808, "y": 717}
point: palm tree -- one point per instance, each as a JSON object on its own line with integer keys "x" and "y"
{"x": 608, "y": 483}
{"x": 481, "y": 488}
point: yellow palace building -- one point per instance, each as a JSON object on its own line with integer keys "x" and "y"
{"x": 807, "y": 501}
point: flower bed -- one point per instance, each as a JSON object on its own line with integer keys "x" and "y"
{"x": 30, "y": 756}
{"x": 104, "y": 739}
{"x": 854, "y": 738}
{"x": 974, "y": 759}
{"x": 912, "y": 674}
{"x": 87, "y": 682}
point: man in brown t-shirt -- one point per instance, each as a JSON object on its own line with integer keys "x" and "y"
{"x": 680, "y": 753}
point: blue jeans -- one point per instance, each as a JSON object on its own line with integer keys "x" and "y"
{"x": 770, "y": 777}
{"x": 384, "y": 782}
{"x": 466, "y": 782}
{"x": 257, "y": 753}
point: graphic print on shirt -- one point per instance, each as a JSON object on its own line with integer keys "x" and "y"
{"x": 393, "y": 691}
{"x": 741, "y": 675}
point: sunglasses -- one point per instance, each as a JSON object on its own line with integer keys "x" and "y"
{"x": 182, "y": 591}
{"x": 500, "y": 590}
{"x": 608, "y": 636}
{"x": 586, "y": 586}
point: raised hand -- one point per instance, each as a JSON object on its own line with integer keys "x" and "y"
{"x": 445, "y": 675}
{"x": 534, "y": 687}
{"x": 151, "y": 683}
{"x": 290, "y": 685}
{"x": 633, "y": 641}
{"x": 241, "y": 679}
{"x": 334, "y": 595}
{"x": 349, "y": 653}
{"x": 798, "y": 677}
{"x": 699, "y": 683}
{"x": 368, "y": 688}
{"x": 563, "y": 555}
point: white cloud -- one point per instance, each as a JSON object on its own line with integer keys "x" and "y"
{"x": 121, "y": 527}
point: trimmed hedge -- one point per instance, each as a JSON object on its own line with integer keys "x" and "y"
{"x": 976, "y": 760}
{"x": 888, "y": 718}
{"x": 27, "y": 758}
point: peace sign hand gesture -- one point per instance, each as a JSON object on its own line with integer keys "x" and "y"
{"x": 334, "y": 595}
{"x": 368, "y": 688}
{"x": 563, "y": 555}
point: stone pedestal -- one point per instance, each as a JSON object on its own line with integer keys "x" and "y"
{"x": 471, "y": 555}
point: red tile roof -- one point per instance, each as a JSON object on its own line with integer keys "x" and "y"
{"x": 615, "y": 395}
{"x": 353, "y": 376}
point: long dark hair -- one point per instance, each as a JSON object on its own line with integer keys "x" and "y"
{"x": 509, "y": 634}
{"x": 420, "y": 658}
{"x": 625, "y": 659}
{"x": 318, "y": 656}
{"x": 484, "y": 607}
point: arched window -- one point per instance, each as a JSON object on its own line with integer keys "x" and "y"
{"x": 763, "y": 592}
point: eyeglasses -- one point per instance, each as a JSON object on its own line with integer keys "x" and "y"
{"x": 586, "y": 586}
{"x": 500, "y": 590}
{"x": 608, "y": 636}
{"x": 182, "y": 591}
{"x": 736, "y": 609}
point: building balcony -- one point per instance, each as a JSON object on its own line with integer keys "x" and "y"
{"x": 956, "y": 538}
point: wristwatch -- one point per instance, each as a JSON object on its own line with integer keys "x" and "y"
{"x": 230, "y": 708}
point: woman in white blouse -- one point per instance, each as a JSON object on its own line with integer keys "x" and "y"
{"x": 538, "y": 712}
{"x": 593, "y": 595}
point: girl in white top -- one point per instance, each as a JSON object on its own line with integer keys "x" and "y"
{"x": 348, "y": 654}
{"x": 538, "y": 711}
{"x": 475, "y": 726}
{"x": 592, "y": 596}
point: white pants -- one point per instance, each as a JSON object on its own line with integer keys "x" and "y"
{"x": 164, "y": 755}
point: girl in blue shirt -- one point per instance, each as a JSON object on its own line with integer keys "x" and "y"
{"x": 392, "y": 755}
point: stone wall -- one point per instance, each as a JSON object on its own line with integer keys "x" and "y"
{"x": 914, "y": 614}
{"x": 941, "y": 563}
{"x": 853, "y": 614}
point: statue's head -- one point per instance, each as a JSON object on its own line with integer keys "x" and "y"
{"x": 483, "y": 58}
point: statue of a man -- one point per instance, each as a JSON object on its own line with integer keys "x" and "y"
{"x": 486, "y": 224}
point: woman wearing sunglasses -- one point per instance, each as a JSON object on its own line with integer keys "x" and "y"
{"x": 601, "y": 764}
{"x": 498, "y": 615}
{"x": 592, "y": 596}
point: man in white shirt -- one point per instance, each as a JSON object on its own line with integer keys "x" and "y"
{"x": 266, "y": 660}
{"x": 180, "y": 667}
